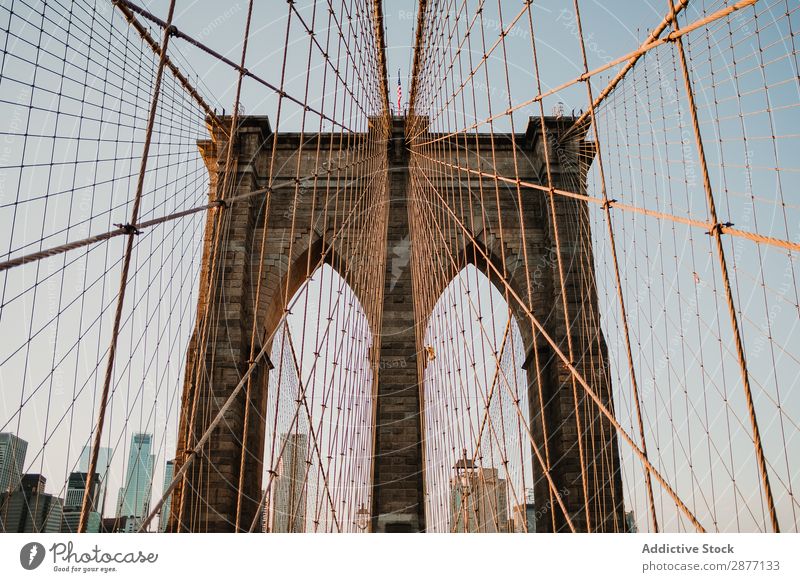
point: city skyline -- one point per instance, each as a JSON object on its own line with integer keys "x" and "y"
{"x": 30, "y": 508}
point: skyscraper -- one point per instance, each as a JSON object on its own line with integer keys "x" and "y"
{"x": 29, "y": 509}
{"x": 74, "y": 500}
{"x": 12, "y": 459}
{"x": 265, "y": 514}
{"x": 163, "y": 519}
{"x": 101, "y": 470}
{"x": 478, "y": 499}
{"x": 524, "y": 515}
{"x": 289, "y": 510}
{"x": 630, "y": 522}
{"x": 133, "y": 500}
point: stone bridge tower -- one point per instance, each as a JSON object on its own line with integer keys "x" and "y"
{"x": 398, "y": 500}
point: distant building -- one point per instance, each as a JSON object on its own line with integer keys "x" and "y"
{"x": 163, "y": 519}
{"x": 478, "y": 499}
{"x": 76, "y": 485}
{"x": 524, "y": 515}
{"x": 101, "y": 469}
{"x": 133, "y": 500}
{"x": 289, "y": 508}
{"x": 265, "y": 514}
{"x": 114, "y": 525}
{"x": 524, "y": 518}
{"x": 630, "y": 522}
{"x": 12, "y": 460}
{"x": 30, "y": 509}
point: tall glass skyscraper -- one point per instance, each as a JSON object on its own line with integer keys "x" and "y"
{"x": 103, "y": 457}
{"x": 76, "y": 485}
{"x": 133, "y": 500}
{"x": 12, "y": 459}
{"x": 289, "y": 511}
{"x": 163, "y": 519}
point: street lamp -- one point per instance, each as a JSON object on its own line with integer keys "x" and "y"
{"x": 362, "y": 518}
{"x": 465, "y": 469}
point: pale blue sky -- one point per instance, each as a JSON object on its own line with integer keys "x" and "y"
{"x": 670, "y": 278}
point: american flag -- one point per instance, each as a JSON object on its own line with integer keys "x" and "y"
{"x": 399, "y": 93}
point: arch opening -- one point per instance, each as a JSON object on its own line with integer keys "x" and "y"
{"x": 318, "y": 437}
{"x": 478, "y": 469}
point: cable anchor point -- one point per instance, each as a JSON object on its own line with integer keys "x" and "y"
{"x": 128, "y": 228}
{"x": 717, "y": 228}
